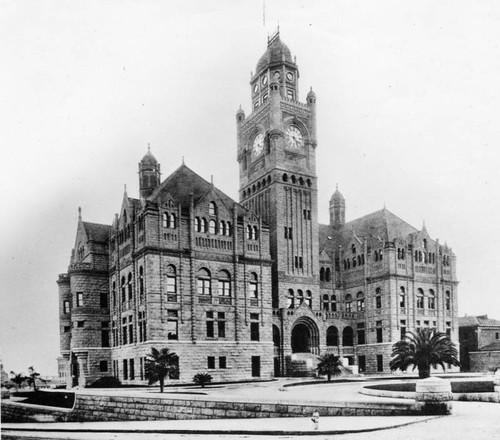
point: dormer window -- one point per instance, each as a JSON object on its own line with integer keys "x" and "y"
{"x": 212, "y": 208}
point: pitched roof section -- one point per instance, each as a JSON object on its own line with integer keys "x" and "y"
{"x": 383, "y": 225}
{"x": 183, "y": 182}
{"x": 477, "y": 321}
{"x": 97, "y": 231}
{"x": 494, "y": 346}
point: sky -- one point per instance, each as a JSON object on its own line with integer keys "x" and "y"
{"x": 408, "y": 102}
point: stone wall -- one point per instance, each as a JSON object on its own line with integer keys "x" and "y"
{"x": 114, "y": 408}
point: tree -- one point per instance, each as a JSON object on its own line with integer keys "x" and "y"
{"x": 202, "y": 379}
{"x": 160, "y": 364}
{"x": 423, "y": 349}
{"x": 329, "y": 364}
{"x": 32, "y": 377}
{"x": 18, "y": 379}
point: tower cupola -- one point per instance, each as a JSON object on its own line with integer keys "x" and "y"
{"x": 337, "y": 209}
{"x": 149, "y": 174}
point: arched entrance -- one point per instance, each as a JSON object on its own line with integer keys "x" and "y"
{"x": 305, "y": 336}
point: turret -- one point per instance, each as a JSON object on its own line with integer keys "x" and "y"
{"x": 337, "y": 209}
{"x": 311, "y": 102}
{"x": 149, "y": 174}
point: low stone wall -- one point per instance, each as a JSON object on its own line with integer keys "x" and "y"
{"x": 115, "y": 408}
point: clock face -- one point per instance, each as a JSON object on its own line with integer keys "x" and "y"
{"x": 289, "y": 76}
{"x": 277, "y": 74}
{"x": 258, "y": 145}
{"x": 294, "y": 137}
{"x": 264, "y": 80}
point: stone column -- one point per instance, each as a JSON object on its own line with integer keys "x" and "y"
{"x": 433, "y": 396}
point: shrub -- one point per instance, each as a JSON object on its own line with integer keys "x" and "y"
{"x": 202, "y": 379}
{"x": 106, "y": 382}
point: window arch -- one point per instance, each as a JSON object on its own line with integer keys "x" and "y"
{"x": 333, "y": 303}
{"x": 448, "y": 300}
{"x": 203, "y": 282}
{"x": 124, "y": 289}
{"x": 431, "y": 300}
{"x": 222, "y": 227}
{"x": 420, "y": 299}
{"x": 360, "y": 301}
{"x": 165, "y": 220}
{"x": 285, "y": 177}
{"x": 204, "y": 224}
{"x": 348, "y": 303}
{"x": 212, "y": 226}
{"x": 171, "y": 280}
{"x": 224, "y": 279}
{"x": 173, "y": 221}
{"x": 300, "y": 296}
{"x": 402, "y": 297}
{"x": 141, "y": 281}
{"x": 229, "y": 229}
{"x": 212, "y": 208}
{"x": 325, "y": 303}
{"x": 253, "y": 285}
{"x": 309, "y": 298}
{"x": 249, "y": 232}
{"x": 378, "y": 298}
{"x": 129, "y": 286}
{"x": 322, "y": 274}
{"x": 348, "y": 337}
{"x": 197, "y": 224}
{"x": 290, "y": 299}
{"x": 255, "y": 233}
{"x": 328, "y": 274}
{"x": 332, "y": 336}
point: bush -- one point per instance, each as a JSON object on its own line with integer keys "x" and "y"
{"x": 202, "y": 379}
{"x": 106, "y": 382}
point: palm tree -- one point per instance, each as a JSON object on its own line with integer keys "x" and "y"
{"x": 18, "y": 379}
{"x": 160, "y": 364}
{"x": 423, "y": 349}
{"x": 329, "y": 364}
{"x": 202, "y": 379}
{"x": 32, "y": 377}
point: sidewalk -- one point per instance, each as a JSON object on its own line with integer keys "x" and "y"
{"x": 271, "y": 426}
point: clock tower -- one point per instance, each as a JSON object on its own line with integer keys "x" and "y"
{"x": 277, "y": 163}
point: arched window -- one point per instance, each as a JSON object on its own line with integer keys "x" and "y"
{"x": 348, "y": 337}
{"x": 448, "y": 300}
{"x": 113, "y": 294}
{"x": 285, "y": 177}
{"x": 253, "y": 286}
{"x": 224, "y": 283}
{"x": 197, "y": 224}
{"x": 322, "y": 274}
{"x": 332, "y": 336}
{"x": 360, "y": 301}
{"x": 171, "y": 280}
{"x": 141, "y": 281}
{"x": 129, "y": 286}
{"x": 293, "y": 179}
{"x": 402, "y": 297}
{"x": 378, "y": 298}
{"x": 203, "y": 282}
{"x": 333, "y": 304}
{"x": 325, "y": 303}
{"x": 173, "y": 222}
{"x": 222, "y": 227}
{"x": 212, "y": 208}
{"x": 229, "y": 229}
{"x": 420, "y": 299}
{"x": 300, "y": 296}
{"x": 290, "y": 300}
{"x": 249, "y": 232}
{"x": 431, "y": 300}
{"x": 125, "y": 219}
{"x": 309, "y": 299}
{"x": 348, "y": 303}
{"x": 353, "y": 262}
{"x": 255, "y": 233}
{"x": 328, "y": 274}
{"x": 124, "y": 290}
{"x": 164, "y": 221}
{"x": 204, "y": 224}
{"x": 212, "y": 226}
{"x": 353, "y": 248}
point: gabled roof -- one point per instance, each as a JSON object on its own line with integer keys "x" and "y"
{"x": 477, "y": 321}
{"x": 381, "y": 225}
{"x": 184, "y": 182}
{"x": 97, "y": 231}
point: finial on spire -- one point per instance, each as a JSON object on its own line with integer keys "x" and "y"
{"x": 182, "y": 160}
{"x": 212, "y": 179}
{"x": 336, "y": 186}
{"x": 125, "y": 188}
{"x": 79, "y": 213}
{"x": 149, "y": 147}
{"x": 423, "y": 226}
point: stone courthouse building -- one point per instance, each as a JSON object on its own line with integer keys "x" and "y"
{"x": 253, "y": 289}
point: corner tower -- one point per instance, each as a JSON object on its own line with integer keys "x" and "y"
{"x": 277, "y": 162}
{"x": 149, "y": 174}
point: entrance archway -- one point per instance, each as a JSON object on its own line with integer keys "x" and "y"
{"x": 305, "y": 336}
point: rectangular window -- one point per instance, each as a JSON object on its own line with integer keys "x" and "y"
{"x": 141, "y": 367}
{"x": 254, "y": 331}
{"x": 402, "y": 301}
{"x": 448, "y": 330}
{"x": 125, "y": 369}
{"x": 80, "y": 324}
{"x": 380, "y": 363}
{"x": 255, "y": 366}
{"x": 254, "y": 293}
{"x": 105, "y": 334}
{"x": 67, "y": 329}
{"x": 224, "y": 288}
{"x": 79, "y": 299}
{"x": 210, "y": 329}
{"x": 379, "y": 332}
{"x": 203, "y": 286}
{"x": 402, "y": 328}
{"x": 211, "y": 362}
{"x": 172, "y": 325}
{"x": 362, "y": 363}
{"x": 222, "y": 362}
{"x": 66, "y": 307}
{"x": 361, "y": 333}
{"x": 103, "y": 297}
{"x": 132, "y": 372}
{"x": 103, "y": 366}
{"x": 171, "y": 285}
{"x": 221, "y": 329}
{"x": 378, "y": 302}
{"x": 124, "y": 331}
{"x": 130, "y": 330}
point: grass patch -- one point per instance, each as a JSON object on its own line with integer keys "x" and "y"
{"x": 456, "y": 387}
